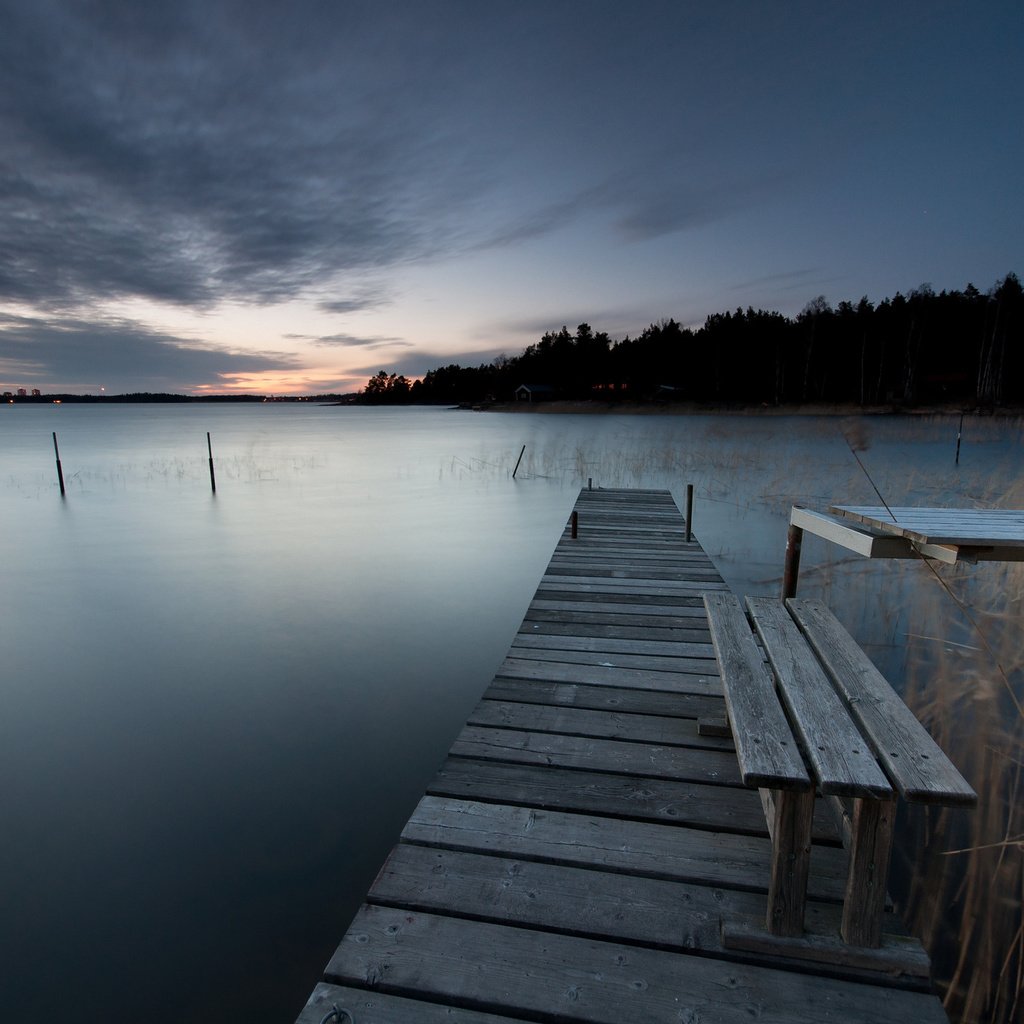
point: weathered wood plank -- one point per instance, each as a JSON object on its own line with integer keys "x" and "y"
{"x": 570, "y": 614}
{"x": 608, "y": 631}
{"x": 667, "y": 915}
{"x": 943, "y": 525}
{"x": 611, "y": 725}
{"x": 840, "y": 757}
{"x": 671, "y": 604}
{"x": 649, "y": 663}
{"x": 640, "y": 848}
{"x": 766, "y": 749}
{"x": 695, "y": 678}
{"x": 611, "y": 645}
{"x": 657, "y": 800}
{"x": 568, "y": 978}
{"x": 913, "y": 761}
{"x": 715, "y": 767}
{"x": 380, "y": 1008}
{"x": 627, "y": 797}
{"x": 606, "y": 698}
{"x": 610, "y": 585}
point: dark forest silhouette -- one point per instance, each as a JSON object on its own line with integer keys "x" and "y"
{"x": 954, "y": 347}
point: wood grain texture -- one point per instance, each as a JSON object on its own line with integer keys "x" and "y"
{"x": 913, "y": 761}
{"x": 841, "y": 759}
{"x": 652, "y": 850}
{"x": 491, "y": 967}
{"x": 765, "y": 746}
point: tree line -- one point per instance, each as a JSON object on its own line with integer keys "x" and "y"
{"x": 961, "y": 347}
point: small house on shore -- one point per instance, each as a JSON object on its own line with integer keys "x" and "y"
{"x": 535, "y": 393}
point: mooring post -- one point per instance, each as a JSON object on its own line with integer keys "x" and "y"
{"x": 520, "y": 459}
{"x": 575, "y": 524}
{"x": 60, "y": 472}
{"x": 213, "y": 478}
{"x": 689, "y": 512}
{"x": 794, "y": 541}
{"x": 959, "y": 431}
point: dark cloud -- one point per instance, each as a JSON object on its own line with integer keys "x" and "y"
{"x": 119, "y": 355}
{"x": 194, "y": 151}
{"x": 217, "y": 149}
{"x": 417, "y": 362}
{"x": 358, "y": 304}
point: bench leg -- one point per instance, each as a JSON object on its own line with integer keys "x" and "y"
{"x": 870, "y": 847}
{"x": 791, "y": 856}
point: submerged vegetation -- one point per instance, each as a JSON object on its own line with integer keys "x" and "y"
{"x": 963, "y": 347}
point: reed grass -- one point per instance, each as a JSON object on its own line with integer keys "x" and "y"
{"x": 949, "y": 637}
{"x": 965, "y": 896}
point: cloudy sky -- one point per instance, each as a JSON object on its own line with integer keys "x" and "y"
{"x": 209, "y": 195}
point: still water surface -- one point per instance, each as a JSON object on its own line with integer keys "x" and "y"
{"x": 218, "y": 710}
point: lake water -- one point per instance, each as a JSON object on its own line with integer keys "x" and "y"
{"x": 218, "y": 710}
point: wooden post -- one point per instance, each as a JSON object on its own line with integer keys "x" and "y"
{"x": 575, "y": 524}
{"x": 213, "y": 478}
{"x": 794, "y": 541}
{"x": 689, "y": 512}
{"x": 959, "y": 431}
{"x": 870, "y": 849}
{"x": 520, "y": 459}
{"x": 590, "y": 483}
{"x": 60, "y": 472}
{"x": 790, "y": 828}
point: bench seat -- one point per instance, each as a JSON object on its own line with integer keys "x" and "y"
{"x": 808, "y": 704}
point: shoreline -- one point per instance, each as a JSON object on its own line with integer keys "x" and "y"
{"x": 700, "y": 409}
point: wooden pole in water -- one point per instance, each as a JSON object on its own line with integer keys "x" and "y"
{"x": 575, "y": 524}
{"x": 60, "y": 472}
{"x": 209, "y": 448}
{"x": 959, "y": 431}
{"x": 520, "y": 459}
{"x": 689, "y": 512}
{"x": 794, "y": 541}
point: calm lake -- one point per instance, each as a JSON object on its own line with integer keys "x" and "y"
{"x": 218, "y": 710}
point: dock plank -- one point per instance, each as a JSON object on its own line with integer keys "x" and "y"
{"x": 500, "y": 968}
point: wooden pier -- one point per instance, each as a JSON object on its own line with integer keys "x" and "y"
{"x": 587, "y": 838}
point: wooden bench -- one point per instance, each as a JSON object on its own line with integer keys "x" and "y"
{"x": 810, "y": 712}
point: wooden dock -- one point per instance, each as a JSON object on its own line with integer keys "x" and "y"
{"x": 581, "y": 846}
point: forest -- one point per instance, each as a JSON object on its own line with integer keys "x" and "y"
{"x": 952, "y": 348}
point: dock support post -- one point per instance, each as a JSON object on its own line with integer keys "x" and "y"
{"x": 959, "y": 431}
{"x": 60, "y": 472}
{"x": 520, "y": 459}
{"x": 209, "y": 448}
{"x": 794, "y": 541}
{"x": 575, "y": 524}
{"x": 689, "y": 512}
{"x": 590, "y": 483}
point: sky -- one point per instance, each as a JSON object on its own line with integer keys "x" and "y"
{"x": 210, "y": 196}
